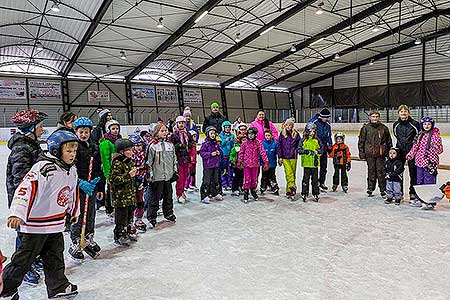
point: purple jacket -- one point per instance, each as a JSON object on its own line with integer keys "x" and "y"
{"x": 287, "y": 145}
{"x": 208, "y": 147}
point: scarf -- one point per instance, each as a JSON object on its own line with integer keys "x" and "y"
{"x": 113, "y": 138}
{"x": 184, "y": 138}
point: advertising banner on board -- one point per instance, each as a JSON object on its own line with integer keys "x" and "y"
{"x": 94, "y": 96}
{"x": 166, "y": 94}
{"x": 143, "y": 92}
{"x": 192, "y": 96}
{"x": 13, "y": 89}
{"x": 44, "y": 90}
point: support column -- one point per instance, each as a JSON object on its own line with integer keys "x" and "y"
{"x": 180, "y": 97}
{"x": 422, "y": 86}
{"x": 129, "y": 102}
{"x": 65, "y": 94}
{"x": 302, "y": 104}
{"x": 27, "y": 93}
{"x": 358, "y": 94}
{"x": 388, "y": 93}
{"x": 260, "y": 102}
{"x": 224, "y": 100}
{"x": 292, "y": 103}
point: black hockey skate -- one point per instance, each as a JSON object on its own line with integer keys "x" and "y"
{"x": 316, "y": 198}
{"x": 254, "y": 195}
{"x": 388, "y": 201}
{"x": 76, "y": 253}
{"x": 70, "y": 290}
{"x": 334, "y": 188}
{"x": 152, "y": 223}
{"x": 262, "y": 190}
{"x": 397, "y": 201}
{"x": 383, "y": 195}
{"x": 246, "y": 193}
{"x": 14, "y": 296}
{"x": 345, "y": 189}
{"x": 323, "y": 187}
{"x": 171, "y": 218}
{"x": 304, "y": 197}
{"x": 369, "y": 193}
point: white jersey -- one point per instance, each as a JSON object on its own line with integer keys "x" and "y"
{"x": 44, "y": 197}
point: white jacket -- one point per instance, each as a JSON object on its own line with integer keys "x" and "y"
{"x": 44, "y": 197}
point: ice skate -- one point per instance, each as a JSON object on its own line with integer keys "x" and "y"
{"x": 218, "y": 197}
{"x": 206, "y": 200}
{"x": 428, "y": 206}
{"x": 235, "y": 193}
{"x": 323, "y": 187}
{"x": 415, "y": 203}
{"x": 140, "y": 226}
{"x": 383, "y": 195}
{"x": 227, "y": 188}
{"x": 334, "y": 188}
{"x": 397, "y": 201}
{"x": 171, "y": 218}
{"x": 122, "y": 241}
{"x": 388, "y": 201}
{"x": 288, "y": 195}
{"x": 181, "y": 199}
{"x": 76, "y": 253}
{"x": 14, "y": 296}
{"x": 194, "y": 188}
{"x": 70, "y": 290}
{"x": 132, "y": 233}
{"x": 32, "y": 278}
{"x": 293, "y": 191}
{"x": 254, "y": 195}
{"x": 345, "y": 189}
{"x": 245, "y": 199}
{"x": 316, "y": 198}
{"x": 152, "y": 223}
{"x": 276, "y": 193}
{"x": 189, "y": 189}
{"x": 91, "y": 243}
{"x": 369, "y": 193}
{"x": 304, "y": 197}
{"x": 262, "y": 190}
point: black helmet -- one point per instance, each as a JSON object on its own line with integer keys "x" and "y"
{"x": 253, "y": 130}
{"x": 122, "y": 145}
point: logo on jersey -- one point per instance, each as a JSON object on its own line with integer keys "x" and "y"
{"x": 63, "y": 196}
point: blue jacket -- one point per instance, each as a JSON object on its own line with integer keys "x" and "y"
{"x": 271, "y": 148}
{"x": 323, "y": 133}
{"x": 226, "y": 145}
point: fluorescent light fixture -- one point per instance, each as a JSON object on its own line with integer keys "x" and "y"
{"x": 240, "y": 68}
{"x": 376, "y": 28}
{"x": 39, "y": 46}
{"x": 55, "y": 7}
{"x": 201, "y": 16}
{"x": 282, "y": 72}
{"x": 293, "y": 49}
{"x": 417, "y": 42}
{"x": 315, "y": 42}
{"x": 337, "y": 56}
{"x": 267, "y": 30}
{"x": 122, "y": 54}
{"x": 238, "y": 37}
{"x": 160, "y": 23}
{"x": 189, "y": 62}
{"x": 371, "y": 62}
{"x": 319, "y": 10}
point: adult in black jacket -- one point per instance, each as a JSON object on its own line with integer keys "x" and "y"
{"x": 405, "y": 130}
{"x": 98, "y": 132}
{"x": 215, "y": 119}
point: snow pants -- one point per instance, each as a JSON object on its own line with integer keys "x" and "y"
{"x": 211, "y": 183}
{"x": 238, "y": 179}
{"x": 251, "y": 178}
{"x": 183, "y": 170}
{"x": 290, "y": 170}
{"x": 375, "y": 171}
{"x": 394, "y": 190}
{"x": 226, "y": 172}
{"x": 424, "y": 177}
{"x": 160, "y": 190}
{"x": 313, "y": 174}
{"x": 342, "y": 171}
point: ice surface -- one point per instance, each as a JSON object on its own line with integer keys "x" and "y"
{"x": 347, "y": 246}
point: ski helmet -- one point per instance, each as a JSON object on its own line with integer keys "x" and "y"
{"x": 225, "y": 123}
{"x": 253, "y": 130}
{"x": 57, "y": 139}
{"x": 426, "y": 119}
{"x": 27, "y": 119}
{"x": 111, "y": 123}
{"x": 82, "y": 122}
{"x": 122, "y": 145}
{"x": 240, "y": 127}
{"x": 136, "y": 139}
{"x": 395, "y": 149}
{"x": 210, "y": 128}
{"x": 339, "y": 135}
{"x": 310, "y": 126}
{"x": 193, "y": 132}
{"x": 180, "y": 119}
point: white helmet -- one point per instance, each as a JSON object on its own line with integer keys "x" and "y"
{"x": 111, "y": 123}
{"x": 339, "y": 135}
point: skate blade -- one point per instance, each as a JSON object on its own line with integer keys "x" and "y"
{"x": 66, "y": 296}
{"x": 164, "y": 224}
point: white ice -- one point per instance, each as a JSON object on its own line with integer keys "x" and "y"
{"x": 347, "y": 246}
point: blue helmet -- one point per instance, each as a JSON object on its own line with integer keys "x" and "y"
{"x": 83, "y": 122}
{"x": 426, "y": 119}
{"x": 225, "y": 123}
{"x": 136, "y": 139}
{"x": 57, "y": 139}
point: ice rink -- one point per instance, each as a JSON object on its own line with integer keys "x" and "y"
{"x": 347, "y": 246}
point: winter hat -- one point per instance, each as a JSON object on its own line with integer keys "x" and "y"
{"x": 289, "y": 121}
{"x": 187, "y": 114}
{"x": 180, "y": 119}
{"x": 325, "y": 113}
{"x": 215, "y": 105}
{"x": 193, "y": 132}
{"x": 122, "y": 145}
{"x": 103, "y": 112}
{"x": 395, "y": 149}
{"x": 403, "y": 107}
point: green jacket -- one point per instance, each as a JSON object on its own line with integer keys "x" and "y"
{"x": 306, "y": 148}
{"x": 234, "y": 153}
{"x": 106, "y": 152}
{"x": 123, "y": 190}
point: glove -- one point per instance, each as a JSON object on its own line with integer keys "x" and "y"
{"x": 310, "y": 152}
{"x": 266, "y": 166}
{"x": 280, "y": 162}
{"x": 88, "y": 186}
{"x": 348, "y": 166}
{"x": 329, "y": 150}
{"x": 239, "y": 164}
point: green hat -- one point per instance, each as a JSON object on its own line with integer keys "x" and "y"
{"x": 215, "y": 105}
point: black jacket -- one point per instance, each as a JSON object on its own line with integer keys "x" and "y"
{"x": 394, "y": 169}
{"x": 215, "y": 120}
{"x": 405, "y": 132}
{"x": 84, "y": 153}
{"x": 24, "y": 153}
{"x": 99, "y": 130}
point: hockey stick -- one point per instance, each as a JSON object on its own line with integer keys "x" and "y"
{"x": 86, "y": 200}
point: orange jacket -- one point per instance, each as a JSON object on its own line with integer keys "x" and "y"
{"x": 340, "y": 154}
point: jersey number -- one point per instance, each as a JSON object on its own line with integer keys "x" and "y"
{"x": 22, "y": 191}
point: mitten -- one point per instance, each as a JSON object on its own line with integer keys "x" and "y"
{"x": 348, "y": 166}
{"x": 266, "y": 166}
{"x": 88, "y": 186}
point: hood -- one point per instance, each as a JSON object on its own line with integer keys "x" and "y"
{"x": 19, "y": 138}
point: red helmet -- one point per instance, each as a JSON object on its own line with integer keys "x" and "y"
{"x": 24, "y": 119}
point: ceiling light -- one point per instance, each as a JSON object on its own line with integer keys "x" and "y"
{"x": 315, "y": 42}
{"x": 319, "y": 10}
{"x": 267, "y": 30}
{"x": 448, "y": 51}
{"x": 417, "y": 42}
{"x": 336, "y": 56}
{"x": 282, "y": 72}
{"x": 160, "y": 23}
{"x": 189, "y": 62}
{"x": 238, "y": 37}
{"x": 240, "y": 68}
{"x": 201, "y": 16}
{"x": 371, "y": 62}
{"x": 170, "y": 72}
{"x": 55, "y": 7}
{"x": 376, "y": 28}
{"x": 122, "y": 54}
{"x": 293, "y": 49}
{"x": 39, "y": 46}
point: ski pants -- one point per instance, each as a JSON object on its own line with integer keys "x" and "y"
{"x": 340, "y": 171}
{"x": 50, "y": 247}
{"x": 139, "y": 211}
{"x": 211, "y": 183}
{"x": 424, "y": 177}
{"x": 123, "y": 217}
{"x": 183, "y": 170}
{"x": 394, "y": 190}
{"x": 191, "y": 175}
{"x": 75, "y": 229}
{"x": 323, "y": 167}
{"x": 375, "y": 170}
{"x": 290, "y": 170}
{"x": 160, "y": 190}
{"x": 226, "y": 171}
{"x": 269, "y": 179}
{"x": 238, "y": 179}
{"x": 251, "y": 178}
{"x": 312, "y": 173}
{"x": 412, "y": 174}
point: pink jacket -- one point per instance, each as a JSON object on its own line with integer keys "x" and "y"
{"x": 419, "y": 148}
{"x": 251, "y": 152}
{"x": 260, "y": 126}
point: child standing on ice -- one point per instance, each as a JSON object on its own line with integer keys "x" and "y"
{"x": 394, "y": 168}
{"x": 211, "y": 154}
{"x": 238, "y": 173}
{"x": 309, "y": 149}
{"x": 250, "y": 154}
{"x": 287, "y": 155}
{"x": 140, "y": 164}
{"x": 426, "y": 150}
{"x": 39, "y": 205}
{"x": 340, "y": 153}
{"x": 268, "y": 178}
{"x": 190, "y": 182}
{"x": 227, "y": 142}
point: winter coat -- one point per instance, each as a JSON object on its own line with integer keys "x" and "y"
{"x": 251, "y": 152}
{"x": 139, "y": 159}
{"x": 374, "y": 141}
{"x": 99, "y": 130}
{"x": 214, "y": 120}
{"x": 83, "y": 159}
{"x": 323, "y": 130}
{"x": 306, "y": 148}
{"x": 394, "y": 169}
{"x": 288, "y": 143}
{"x": 162, "y": 160}
{"x": 271, "y": 149}
{"x": 192, "y": 126}
{"x": 419, "y": 149}
{"x": 207, "y": 148}
{"x": 260, "y": 126}
{"x": 123, "y": 189}
{"x": 181, "y": 150}
{"x": 225, "y": 145}
{"x": 106, "y": 151}
{"x": 235, "y": 153}
{"x": 340, "y": 154}
{"x": 193, "y": 155}
{"x": 24, "y": 153}
{"x": 405, "y": 132}
{"x": 46, "y": 194}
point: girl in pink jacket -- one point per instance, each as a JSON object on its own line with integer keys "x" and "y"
{"x": 261, "y": 123}
{"x": 252, "y": 151}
